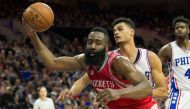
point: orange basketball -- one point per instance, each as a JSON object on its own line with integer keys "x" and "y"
{"x": 39, "y": 16}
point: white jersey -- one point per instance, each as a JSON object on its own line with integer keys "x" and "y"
{"x": 179, "y": 80}
{"x": 180, "y": 68}
{"x": 142, "y": 63}
{"x": 44, "y": 104}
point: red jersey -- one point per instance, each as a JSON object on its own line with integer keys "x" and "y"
{"x": 104, "y": 78}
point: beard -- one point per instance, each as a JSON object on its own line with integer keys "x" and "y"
{"x": 95, "y": 58}
{"x": 180, "y": 36}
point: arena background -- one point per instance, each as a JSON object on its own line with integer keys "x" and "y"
{"x": 21, "y": 70}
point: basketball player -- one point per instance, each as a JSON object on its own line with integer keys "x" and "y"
{"x": 145, "y": 61}
{"x": 110, "y": 73}
{"x": 177, "y": 54}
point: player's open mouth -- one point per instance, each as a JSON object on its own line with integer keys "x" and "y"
{"x": 116, "y": 38}
{"x": 91, "y": 54}
{"x": 179, "y": 33}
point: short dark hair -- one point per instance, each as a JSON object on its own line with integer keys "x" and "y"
{"x": 180, "y": 19}
{"x": 39, "y": 88}
{"x": 100, "y": 29}
{"x": 128, "y": 21}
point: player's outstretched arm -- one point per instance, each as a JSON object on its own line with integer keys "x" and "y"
{"x": 158, "y": 77}
{"x": 61, "y": 63}
{"x": 77, "y": 88}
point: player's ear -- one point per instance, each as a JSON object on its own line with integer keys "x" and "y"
{"x": 132, "y": 31}
{"x": 107, "y": 47}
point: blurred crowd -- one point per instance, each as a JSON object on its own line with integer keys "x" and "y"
{"x": 88, "y": 15}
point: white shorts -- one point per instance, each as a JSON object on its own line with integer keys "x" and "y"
{"x": 178, "y": 100}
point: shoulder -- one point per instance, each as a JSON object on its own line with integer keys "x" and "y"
{"x": 37, "y": 102}
{"x": 152, "y": 55}
{"x": 147, "y": 52}
{"x": 112, "y": 55}
{"x": 154, "y": 59}
{"x": 165, "y": 51}
{"x": 121, "y": 66}
{"x": 120, "y": 60}
{"x": 166, "y": 47}
{"x": 49, "y": 99}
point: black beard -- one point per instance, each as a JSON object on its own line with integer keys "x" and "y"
{"x": 96, "y": 58}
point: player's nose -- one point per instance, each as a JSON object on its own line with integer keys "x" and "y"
{"x": 93, "y": 47}
{"x": 115, "y": 33}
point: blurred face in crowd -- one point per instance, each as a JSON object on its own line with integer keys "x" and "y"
{"x": 8, "y": 90}
{"x": 95, "y": 48}
{"x": 17, "y": 82}
{"x": 181, "y": 31}
{"x": 43, "y": 93}
{"x": 123, "y": 33}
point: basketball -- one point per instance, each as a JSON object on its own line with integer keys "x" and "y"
{"x": 39, "y": 16}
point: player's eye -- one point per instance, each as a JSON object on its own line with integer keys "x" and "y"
{"x": 89, "y": 42}
{"x": 120, "y": 29}
{"x": 98, "y": 42}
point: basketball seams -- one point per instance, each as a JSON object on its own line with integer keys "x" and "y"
{"x": 37, "y": 27}
{"x": 41, "y": 15}
{"x": 51, "y": 11}
{"x": 28, "y": 21}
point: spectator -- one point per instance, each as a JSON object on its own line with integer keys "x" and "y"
{"x": 43, "y": 102}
